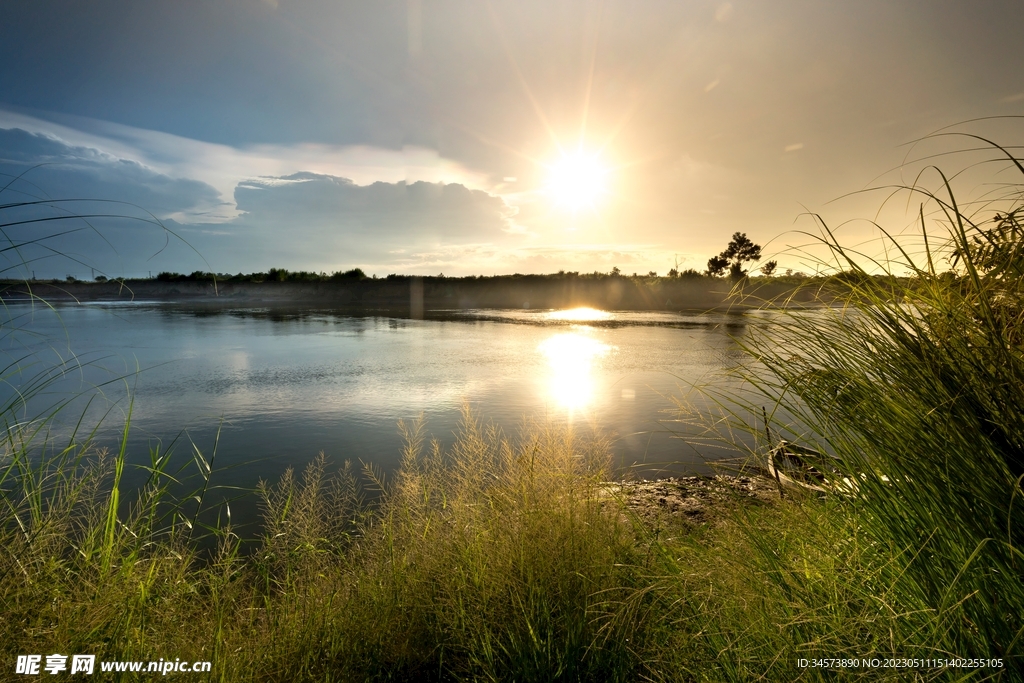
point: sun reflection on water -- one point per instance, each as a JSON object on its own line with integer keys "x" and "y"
{"x": 570, "y": 358}
{"x": 581, "y": 314}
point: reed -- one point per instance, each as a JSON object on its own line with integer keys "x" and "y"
{"x": 499, "y": 560}
{"x": 912, "y": 380}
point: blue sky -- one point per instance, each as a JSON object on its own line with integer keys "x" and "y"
{"x": 420, "y": 136}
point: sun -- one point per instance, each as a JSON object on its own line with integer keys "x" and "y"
{"x": 577, "y": 181}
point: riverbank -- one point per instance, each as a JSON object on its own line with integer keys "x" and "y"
{"x": 411, "y": 296}
{"x": 689, "y": 502}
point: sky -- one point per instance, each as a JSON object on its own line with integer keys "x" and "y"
{"x": 476, "y": 137}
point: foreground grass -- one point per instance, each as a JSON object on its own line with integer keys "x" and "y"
{"x": 496, "y": 561}
{"x": 500, "y": 560}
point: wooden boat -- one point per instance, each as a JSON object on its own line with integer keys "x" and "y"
{"x": 795, "y": 468}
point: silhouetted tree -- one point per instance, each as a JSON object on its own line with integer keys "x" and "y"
{"x": 740, "y": 250}
{"x": 768, "y": 269}
{"x": 717, "y": 265}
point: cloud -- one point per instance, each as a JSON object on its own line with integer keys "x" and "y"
{"x": 392, "y": 200}
{"x": 794, "y": 147}
{"x": 419, "y": 211}
{"x": 321, "y": 207}
{"x": 223, "y": 167}
{"x": 313, "y": 221}
{"x": 51, "y": 168}
{"x": 321, "y": 222}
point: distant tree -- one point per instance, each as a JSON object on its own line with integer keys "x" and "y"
{"x": 276, "y": 275}
{"x": 673, "y": 273}
{"x": 768, "y": 269}
{"x": 740, "y": 250}
{"x": 652, "y": 274}
{"x": 100, "y": 278}
{"x": 717, "y": 265}
{"x": 615, "y": 270}
{"x": 354, "y": 274}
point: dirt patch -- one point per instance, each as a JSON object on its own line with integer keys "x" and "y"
{"x": 691, "y": 501}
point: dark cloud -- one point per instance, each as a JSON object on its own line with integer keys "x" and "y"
{"x": 310, "y": 221}
{"x": 300, "y": 221}
{"x": 51, "y": 168}
{"x": 322, "y": 222}
{"x": 106, "y": 212}
{"x": 384, "y": 212}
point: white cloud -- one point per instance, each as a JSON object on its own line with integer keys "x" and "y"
{"x": 224, "y": 167}
{"x": 47, "y": 167}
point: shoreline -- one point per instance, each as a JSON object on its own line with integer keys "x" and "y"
{"x": 691, "y": 500}
{"x": 412, "y": 296}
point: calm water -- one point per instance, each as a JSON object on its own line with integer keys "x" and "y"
{"x": 285, "y": 385}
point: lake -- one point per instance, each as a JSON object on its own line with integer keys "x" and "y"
{"x": 282, "y": 385}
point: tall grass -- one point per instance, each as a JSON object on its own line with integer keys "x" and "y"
{"x": 486, "y": 563}
{"x": 913, "y": 379}
{"x": 80, "y": 557}
{"x": 921, "y": 394}
{"x": 499, "y": 560}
